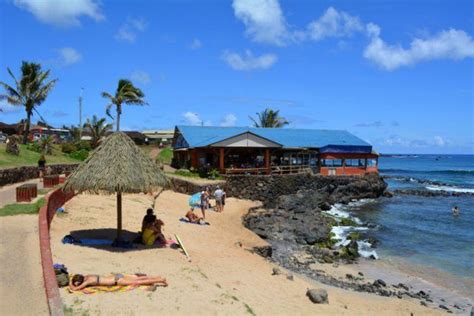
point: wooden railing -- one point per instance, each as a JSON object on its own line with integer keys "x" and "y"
{"x": 290, "y": 169}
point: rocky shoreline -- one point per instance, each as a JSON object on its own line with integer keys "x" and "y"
{"x": 302, "y": 236}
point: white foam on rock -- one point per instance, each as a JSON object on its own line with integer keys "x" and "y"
{"x": 341, "y": 232}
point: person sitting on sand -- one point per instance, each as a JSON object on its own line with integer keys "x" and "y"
{"x": 193, "y": 218}
{"x": 79, "y": 282}
{"x": 148, "y": 218}
{"x": 153, "y": 233}
{"x": 455, "y": 211}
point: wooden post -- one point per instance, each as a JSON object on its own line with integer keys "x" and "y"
{"x": 119, "y": 217}
{"x": 221, "y": 160}
{"x": 267, "y": 160}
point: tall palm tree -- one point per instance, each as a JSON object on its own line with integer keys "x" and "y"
{"x": 126, "y": 93}
{"x": 98, "y": 128}
{"x": 30, "y": 91}
{"x": 269, "y": 118}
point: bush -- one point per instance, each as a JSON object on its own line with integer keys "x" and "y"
{"x": 34, "y": 146}
{"x": 83, "y": 144}
{"x": 80, "y": 154}
{"x": 68, "y": 148}
{"x": 12, "y": 145}
{"x": 213, "y": 174}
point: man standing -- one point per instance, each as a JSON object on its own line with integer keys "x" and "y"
{"x": 218, "y": 195}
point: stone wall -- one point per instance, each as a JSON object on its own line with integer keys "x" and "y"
{"x": 268, "y": 188}
{"x": 188, "y": 186}
{"x": 20, "y": 174}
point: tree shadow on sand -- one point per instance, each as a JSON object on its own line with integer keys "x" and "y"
{"x": 102, "y": 239}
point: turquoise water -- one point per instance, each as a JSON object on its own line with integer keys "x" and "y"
{"x": 421, "y": 229}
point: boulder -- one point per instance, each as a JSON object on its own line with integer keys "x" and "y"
{"x": 318, "y": 296}
{"x": 264, "y": 251}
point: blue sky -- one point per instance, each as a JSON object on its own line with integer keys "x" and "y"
{"x": 399, "y": 74}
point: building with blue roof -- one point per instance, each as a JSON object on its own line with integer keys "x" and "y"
{"x": 272, "y": 150}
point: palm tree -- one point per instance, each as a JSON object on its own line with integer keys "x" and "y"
{"x": 30, "y": 91}
{"x": 98, "y": 128}
{"x": 126, "y": 93}
{"x": 269, "y": 118}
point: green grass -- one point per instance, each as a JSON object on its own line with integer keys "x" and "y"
{"x": 165, "y": 156}
{"x": 30, "y": 158}
{"x": 16, "y": 208}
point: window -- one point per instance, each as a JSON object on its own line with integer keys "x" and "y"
{"x": 360, "y": 163}
{"x": 331, "y": 162}
{"x": 371, "y": 162}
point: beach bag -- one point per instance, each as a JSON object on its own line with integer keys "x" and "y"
{"x": 62, "y": 276}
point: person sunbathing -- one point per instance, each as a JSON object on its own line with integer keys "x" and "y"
{"x": 193, "y": 218}
{"x": 79, "y": 282}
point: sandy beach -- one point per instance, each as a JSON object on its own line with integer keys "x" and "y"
{"x": 224, "y": 277}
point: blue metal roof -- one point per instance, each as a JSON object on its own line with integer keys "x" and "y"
{"x": 203, "y": 136}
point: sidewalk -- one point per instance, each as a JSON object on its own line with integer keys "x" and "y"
{"x": 8, "y": 192}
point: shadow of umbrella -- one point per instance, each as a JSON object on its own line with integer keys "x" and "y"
{"x": 103, "y": 238}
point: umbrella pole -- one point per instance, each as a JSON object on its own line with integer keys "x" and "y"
{"x": 119, "y": 216}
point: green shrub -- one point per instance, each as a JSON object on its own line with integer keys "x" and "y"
{"x": 34, "y": 146}
{"x": 213, "y": 174}
{"x": 83, "y": 144}
{"x": 80, "y": 154}
{"x": 68, "y": 148}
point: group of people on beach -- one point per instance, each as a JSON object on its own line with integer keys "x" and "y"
{"x": 151, "y": 233}
{"x": 203, "y": 201}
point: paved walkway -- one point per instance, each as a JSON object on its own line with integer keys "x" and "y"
{"x": 8, "y": 192}
{"x": 21, "y": 287}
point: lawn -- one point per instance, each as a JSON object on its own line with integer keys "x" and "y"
{"x": 30, "y": 158}
{"x": 17, "y": 208}
{"x": 165, "y": 156}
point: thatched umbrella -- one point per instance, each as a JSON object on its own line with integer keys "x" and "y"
{"x": 116, "y": 166}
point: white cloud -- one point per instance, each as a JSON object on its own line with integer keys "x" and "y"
{"x": 229, "y": 120}
{"x": 68, "y": 56}
{"x": 248, "y": 61}
{"x": 60, "y": 12}
{"x": 263, "y": 19}
{"x": 129, "y": 30}
{"x": 452, "y": 44}
{"x": 6, "y": 108}
{"x": 140, "y": 76}
{"x": 195, "y": 44}
{"x": 439, "y": 141}
{"x": 194, "y": 119}
{"x": 334, "y": 23}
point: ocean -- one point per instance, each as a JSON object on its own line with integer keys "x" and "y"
{"x": 421, "y": 230}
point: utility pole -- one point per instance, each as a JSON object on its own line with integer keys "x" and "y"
{"x": 80, "y": 114}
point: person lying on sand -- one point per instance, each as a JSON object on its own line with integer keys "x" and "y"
{"x": 193, "y": 218}
{"x": 79, "y": 281}
{"x": 153, "y": 233}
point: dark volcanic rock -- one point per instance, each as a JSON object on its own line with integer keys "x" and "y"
{"x": 264, "y": 251}
{"x": 318, "y": 296}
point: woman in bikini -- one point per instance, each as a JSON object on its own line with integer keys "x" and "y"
{"x": 79, "y": 281}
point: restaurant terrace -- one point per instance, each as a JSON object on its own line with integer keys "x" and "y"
{"x": 246, "y": 150}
